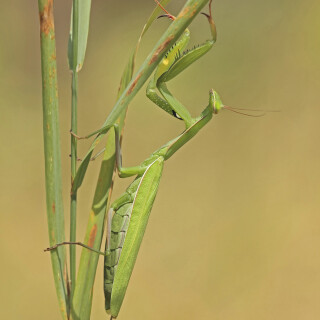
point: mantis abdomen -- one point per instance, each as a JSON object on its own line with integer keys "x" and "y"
{"x": 130, "y": 217}
{"x": 118, "y": 217}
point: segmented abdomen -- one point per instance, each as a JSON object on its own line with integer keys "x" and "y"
{"x": 120, "y": 214}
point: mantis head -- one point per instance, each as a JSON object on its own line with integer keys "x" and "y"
{"x": 215, "y": 102}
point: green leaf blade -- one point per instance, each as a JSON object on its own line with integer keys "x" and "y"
{"x": 77, "y": 51}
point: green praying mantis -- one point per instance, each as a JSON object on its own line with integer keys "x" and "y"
{"x": 128, "y": 216}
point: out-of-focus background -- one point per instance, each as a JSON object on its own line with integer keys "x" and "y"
{"x": 235, "y": 229}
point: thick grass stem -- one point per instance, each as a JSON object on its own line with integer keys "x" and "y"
{"x": 52, "y": 151}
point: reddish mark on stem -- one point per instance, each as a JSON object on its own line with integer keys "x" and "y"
{"x": 46, "y": 18}
{"x": 183, "y": 12}
{"x": 161, "y": 48}
{"x": 134, "y": 83}
{"x": 92, "y": 236}
{"x": 186, "y": 11}
{"x": 53, "y": 207}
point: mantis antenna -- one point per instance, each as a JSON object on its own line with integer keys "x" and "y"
{"x": 243, "y": 113}
{"x": 262, "y": 112}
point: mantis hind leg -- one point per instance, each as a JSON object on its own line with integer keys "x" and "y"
{"x": 74, "y": 243}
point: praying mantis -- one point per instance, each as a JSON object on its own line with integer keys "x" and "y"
{"x": 128, "y": 216}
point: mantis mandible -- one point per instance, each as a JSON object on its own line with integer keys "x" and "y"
{"x": 128, "y": 216}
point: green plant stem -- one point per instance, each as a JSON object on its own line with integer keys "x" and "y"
{"x": 52, "y": 151}
{"x": 74, "y": 129}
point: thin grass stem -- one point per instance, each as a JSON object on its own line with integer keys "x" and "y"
{"x": 74, "y": 128}
{"x": 73, "y": 195}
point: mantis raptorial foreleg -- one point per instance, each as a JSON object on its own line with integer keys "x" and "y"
{"x": 175, "y": 61}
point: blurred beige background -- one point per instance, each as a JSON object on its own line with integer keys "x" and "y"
{"x": 234, "y": 232}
